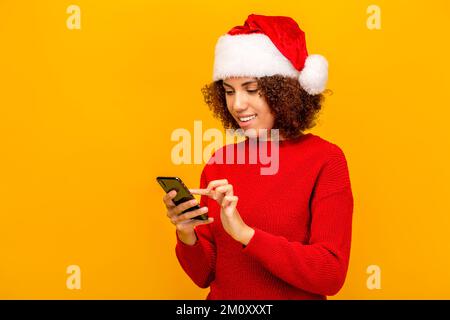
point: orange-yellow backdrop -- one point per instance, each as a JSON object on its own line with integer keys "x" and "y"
{"x": 86, "y": 117}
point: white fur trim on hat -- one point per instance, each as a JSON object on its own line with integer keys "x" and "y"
{"x": 249, "y": 55}
{"x": 314, "y": 76}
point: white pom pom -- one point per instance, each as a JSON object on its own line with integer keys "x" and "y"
{"x": 314, "y": 76}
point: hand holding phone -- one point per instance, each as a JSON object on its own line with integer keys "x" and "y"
{"x": 183, "y": 194}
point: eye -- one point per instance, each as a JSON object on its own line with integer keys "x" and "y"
{"x": 252, "y": 91}
{"x": 228, "y": 93}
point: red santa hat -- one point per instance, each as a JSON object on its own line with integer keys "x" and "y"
{"x": 267, "y": 46}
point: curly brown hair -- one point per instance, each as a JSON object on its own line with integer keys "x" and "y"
{"x": 294, "y": 109}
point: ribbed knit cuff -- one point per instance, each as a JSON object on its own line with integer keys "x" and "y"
{"x": 256, "y": 242}
{"x": 186, "y": 247}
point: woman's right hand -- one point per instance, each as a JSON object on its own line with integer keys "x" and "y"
{"x": 183, "y": 222}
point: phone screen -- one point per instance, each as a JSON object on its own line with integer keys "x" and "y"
{"x": 183, "y": 193}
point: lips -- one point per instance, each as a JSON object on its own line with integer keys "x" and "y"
{"x": 248, "y": 120}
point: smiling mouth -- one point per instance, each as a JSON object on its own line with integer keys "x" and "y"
{"x": 246, "y": 119}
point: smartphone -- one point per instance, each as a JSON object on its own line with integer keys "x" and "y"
{"x": 183, "y": 193}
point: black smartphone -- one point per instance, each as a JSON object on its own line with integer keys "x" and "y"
{"x": 183, "y": 193}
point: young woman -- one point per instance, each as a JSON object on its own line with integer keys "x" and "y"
{"x": 284, "y": 235}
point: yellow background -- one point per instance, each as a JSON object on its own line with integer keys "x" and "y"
{"x": 86, "y": 117}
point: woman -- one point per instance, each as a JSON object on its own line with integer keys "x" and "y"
{"x": 284, "y": 235}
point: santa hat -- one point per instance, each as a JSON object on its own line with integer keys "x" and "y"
{"x": 267, "y": 46}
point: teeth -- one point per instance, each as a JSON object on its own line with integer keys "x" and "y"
{"x": 248, "y": 118}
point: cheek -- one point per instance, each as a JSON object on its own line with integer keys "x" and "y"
{"x": 228, "y": 102}
{"x": 270, "y": 120}
{"x": 229, "y": 107}
{"x": 266, "y": 113}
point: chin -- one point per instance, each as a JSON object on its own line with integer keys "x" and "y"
{"x": 255, "y": 133}
{"x": 251, "y": 133}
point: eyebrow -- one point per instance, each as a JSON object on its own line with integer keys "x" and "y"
{"x": 242, "y": 85}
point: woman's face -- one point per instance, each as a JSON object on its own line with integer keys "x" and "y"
{"x": 248, "y": 108}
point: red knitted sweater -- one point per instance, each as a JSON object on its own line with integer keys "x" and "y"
{"x": 302, "y": 217}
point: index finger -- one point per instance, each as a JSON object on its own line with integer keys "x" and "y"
{"x": 200, "y": 191}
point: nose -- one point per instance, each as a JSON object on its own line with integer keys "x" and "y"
{"x": 239, "y": 102}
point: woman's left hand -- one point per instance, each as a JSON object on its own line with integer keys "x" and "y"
{"x": 222, "y": 192}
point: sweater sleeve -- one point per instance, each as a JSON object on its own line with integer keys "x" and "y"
{"x": 199, "y": 260}
{"x": 319, "y": 266}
